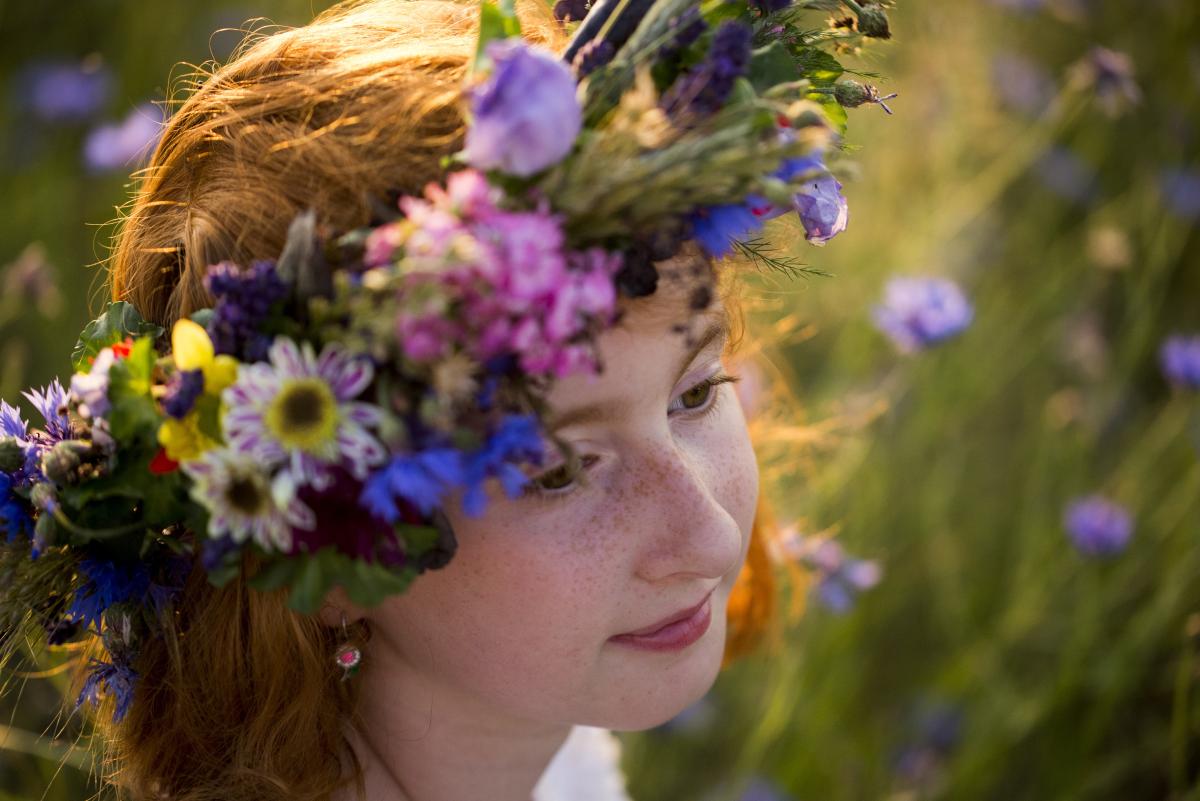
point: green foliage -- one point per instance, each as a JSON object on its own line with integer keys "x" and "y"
{"x": 310, "y": 579}
{"x": 497, "y": 20}
{"x": 120, "y": 320}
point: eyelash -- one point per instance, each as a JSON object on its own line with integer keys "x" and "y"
{"x": 535, "y": 492}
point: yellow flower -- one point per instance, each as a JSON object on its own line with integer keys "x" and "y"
{"x": 183, "y": 440}
{"x": 193, "y": 350}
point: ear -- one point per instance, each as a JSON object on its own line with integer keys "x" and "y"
{"x": 337, "y": 604}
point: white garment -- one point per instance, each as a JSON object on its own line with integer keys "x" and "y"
{"x": 586, "y": 768}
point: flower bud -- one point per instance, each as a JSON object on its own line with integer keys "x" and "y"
{"x": 45, "y": 533}
{"x": 61, "y": 463}
{"x": 851, "y": 94}
{"x": 12, "y": 456}
{"x": 873, "y": 22}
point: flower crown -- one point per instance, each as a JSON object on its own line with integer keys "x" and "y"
{"x": 333, "y": 400}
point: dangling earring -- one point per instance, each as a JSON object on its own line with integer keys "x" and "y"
{"x": 348, "y": 655}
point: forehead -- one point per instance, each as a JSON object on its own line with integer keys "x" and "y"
{"x": 643, "y": 355}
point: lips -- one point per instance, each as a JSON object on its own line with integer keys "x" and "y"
{"x": 682, "y": 614}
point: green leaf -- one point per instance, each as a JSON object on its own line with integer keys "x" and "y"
{"x": 278, "y": 573}
{"x": 772, "y": 65}
{"x": 120, "y": 320}
{"x": 818, "y": 66}
{"x": 134, "y": 414}
{"x": 417, "y": 539}
{"x": 833, "y": 111}
{"x": 202, "y": 317}
{"x": 496, "y": 21}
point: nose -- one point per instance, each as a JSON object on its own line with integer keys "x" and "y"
{"x": 687, "y": 529}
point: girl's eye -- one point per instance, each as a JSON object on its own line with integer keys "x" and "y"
{"x": 702, "y": 396}
{"x": 556, "y": 481}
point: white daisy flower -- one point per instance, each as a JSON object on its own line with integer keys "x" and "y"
{"x": 244, "y": 501}
{"x": 299, "y": 410}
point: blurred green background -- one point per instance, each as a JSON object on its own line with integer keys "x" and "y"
{"x": 994, "y": 659}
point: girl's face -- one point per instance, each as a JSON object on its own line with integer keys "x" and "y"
{"x": 521, "y": 620}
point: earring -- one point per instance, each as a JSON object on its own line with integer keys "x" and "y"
{"x": 348, "y": 655}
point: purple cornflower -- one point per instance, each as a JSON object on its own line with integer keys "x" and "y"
{"x": 1097, "y": 526}
{"x": 113, "y": 146}
{"x": 525, "y": 116}
{"x": 117, "y": 677}
{"x": 918, "y": 312}
{"x": 183, "y": 389}
{"x": 1109, "y": 74}
{"x": 107, "y": 583}
{"x": 65, "y": 90}
{"x": 1181, "y": 189}
{"x": 1179, "y": 356}
{"x": 244, "y": 300}
{"x": 1021, "y": 84}
{"x": 685, "y": 29}
{"x": 703, "y": 90}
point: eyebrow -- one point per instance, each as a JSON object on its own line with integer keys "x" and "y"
{"x": 716, "y": 328}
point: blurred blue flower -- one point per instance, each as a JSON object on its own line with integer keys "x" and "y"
{"x": 1097, "y": 526}
{"x": 1109, "y": 74}
{"x": 1181, "y": 189}
{"x": 114, "y": 146}
{"x": 936, "y": 730}
{"x": 183, "y": 389}
{"x": 918, "y": 312}
{"x": 31, "y": 280}
{"x": 107, "y": 582}
{"x": 51, "y": 402}
{"x": 762, "y": 790}
{"x": 1021, "y": 84}
{"x": 117, "y": 677}
{"x": 14, "y": 514}
{"x": 1179, "y": 356}
{"x": 60, "y": 91}
{"x": 717, "y": 228}
{"x": 525, "y": 116}
{"x": 840, "y": 577}
{"x": 243, "y": 299}
{"x": 516, "y": 440}
{"x": 1065, "y": 174}
{"x": 419, "y": 479}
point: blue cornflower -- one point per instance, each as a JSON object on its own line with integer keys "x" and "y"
{"x": 107, "y": 583}
{"x": 517, "y": 439}
{"x": 1097, "y": 526}
{"x": 1181, "y": 189}
{"x": 244, "y": 300}
{"x": 703, "y": 90}
{"x": 11, "y": 422}
{"x": 51, "y": 401}
{"x": 918, "y": 312}
{"x": 117, "y": 677}
{"x": 718, "y": 227}
{"x": 14, "y": 516}
{"x": 420, "y": 479}
{"x": 1180, "y": 359}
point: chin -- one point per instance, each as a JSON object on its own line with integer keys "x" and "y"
{"x": 666, "y": 684}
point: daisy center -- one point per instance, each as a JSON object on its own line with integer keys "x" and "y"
{"x": 303, "y": 415}
{"x": 246, "y": 495}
